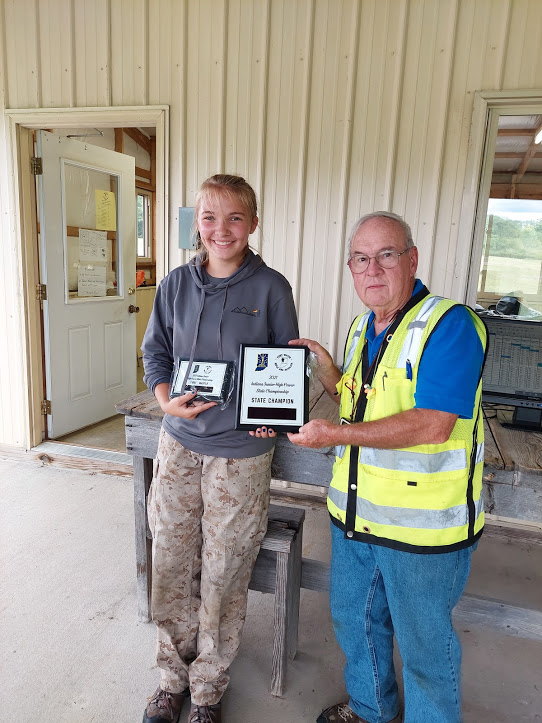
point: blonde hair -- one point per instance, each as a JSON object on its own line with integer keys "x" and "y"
{"x": 217, "y": 186}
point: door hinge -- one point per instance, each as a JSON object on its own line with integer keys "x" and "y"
{"x": 41, "y": 292}
{"x": 36, "y": 166}
{"x": 46, "y": 407}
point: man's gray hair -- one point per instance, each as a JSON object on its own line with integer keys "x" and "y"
{"x": 382, "y": 214}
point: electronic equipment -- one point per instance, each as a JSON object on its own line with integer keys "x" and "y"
{"x": 513, "y": 370}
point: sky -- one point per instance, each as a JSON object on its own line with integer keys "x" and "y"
{"x": 515, "y": 208}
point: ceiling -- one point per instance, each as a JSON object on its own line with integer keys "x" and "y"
{"x": 517, "y": 165}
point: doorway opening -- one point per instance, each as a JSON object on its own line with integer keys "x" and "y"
{"x": 505, "y": 281}
{"x": 136, "y": 129}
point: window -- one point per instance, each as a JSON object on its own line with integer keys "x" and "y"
{"x": 512, "y": 252}
{"x": 144, "y": 224}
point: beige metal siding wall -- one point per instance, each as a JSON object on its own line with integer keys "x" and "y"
{"x": 13, "y": 382}
{"x": 331, "y": 108}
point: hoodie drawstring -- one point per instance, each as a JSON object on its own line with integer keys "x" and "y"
{"x": 219, "y": 333}
{"x": 195, "y": 339}
{"x": 251, "y": 264}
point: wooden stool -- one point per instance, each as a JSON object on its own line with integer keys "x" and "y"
{"x": 278, "y": 570}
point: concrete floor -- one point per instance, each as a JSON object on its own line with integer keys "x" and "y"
{"x": 72, "y": 649}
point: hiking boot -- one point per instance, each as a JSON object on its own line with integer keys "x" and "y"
{"x": 342, "y": 713}
{"x": 205, "y": 713}
{"x": 164, "y": 707}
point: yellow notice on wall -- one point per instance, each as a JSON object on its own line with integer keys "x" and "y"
{"x": 106, "y": 211}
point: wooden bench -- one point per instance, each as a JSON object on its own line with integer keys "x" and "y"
{"x": 280, "y": 567}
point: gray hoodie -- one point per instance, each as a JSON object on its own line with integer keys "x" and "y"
{"x": 197, "y": 316}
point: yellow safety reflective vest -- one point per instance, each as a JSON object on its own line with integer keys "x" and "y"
{"x": 426, "y": 498}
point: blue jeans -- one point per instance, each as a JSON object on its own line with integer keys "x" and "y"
{"x": 376, "y": 592}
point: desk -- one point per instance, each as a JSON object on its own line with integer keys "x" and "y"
{"x": 512, "y": 471}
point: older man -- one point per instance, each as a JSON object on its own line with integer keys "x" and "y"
{"x": 405, "y": 497}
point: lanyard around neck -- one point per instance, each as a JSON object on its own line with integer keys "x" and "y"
{"x": 368, "y": 370}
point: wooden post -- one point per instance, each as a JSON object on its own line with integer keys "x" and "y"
{"x": 142, "y": 483}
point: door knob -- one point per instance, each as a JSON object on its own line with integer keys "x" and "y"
{"x": 133, "y": 309}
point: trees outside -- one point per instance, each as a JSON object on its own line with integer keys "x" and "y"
{"x": 514, "y": 239}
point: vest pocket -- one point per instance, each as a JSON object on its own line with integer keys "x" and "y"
{"x": 402, "y": 498}
{"x": 393, "y": 393}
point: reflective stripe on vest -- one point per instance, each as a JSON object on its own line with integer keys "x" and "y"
{"x": 401, "y": 460}
{"x": 450, "y": 461}
{"x": 339, "y": 450}
{"x": 355, "y": 339}
{"x": 411, "y": 347}
{"x": 457, "y": 516}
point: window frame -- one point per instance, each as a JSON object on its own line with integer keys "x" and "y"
{"x": 149, "y": 226}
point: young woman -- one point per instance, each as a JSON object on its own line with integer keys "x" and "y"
{"x": 210, "y": 493}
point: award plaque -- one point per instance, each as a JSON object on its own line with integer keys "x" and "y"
{"x": 212, "y": 379}
{"x": 273, "y": 387}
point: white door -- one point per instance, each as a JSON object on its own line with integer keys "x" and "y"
{"x": 87, "y": 263}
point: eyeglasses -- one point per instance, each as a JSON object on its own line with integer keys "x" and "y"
{"x": 359, "y": 263}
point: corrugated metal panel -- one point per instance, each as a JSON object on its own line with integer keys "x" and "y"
{"x": 167, "y": 73}
{"x": 7, "y": 417}
{"x": 206, "y": 92}
{"x": 331, "y": 109}
{"x": 331, "y": 123}
{"x": 21, "y": 40}
{"x": 523, "y": 66}
{"x": 376, "y": 120}
{"x": 57, "y": 70}
{"x": 246, "y": 80}
{"x": 290, "y": 65}
{"x": 13, "y": 382}
{"x": 481, "y": 42}
{"x": 129, "y": 52}
{"x": 91, "y": 52}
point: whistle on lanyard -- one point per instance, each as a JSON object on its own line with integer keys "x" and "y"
{"x": 369, "y": 390}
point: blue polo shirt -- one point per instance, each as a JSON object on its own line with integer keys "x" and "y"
{"x": 450, "y": 366}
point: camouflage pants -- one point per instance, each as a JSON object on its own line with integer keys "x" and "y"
{"x": 208, "y": 516}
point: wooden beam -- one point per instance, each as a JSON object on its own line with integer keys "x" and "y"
{"x": 470, "y": 610}
{"x": 54, "y": 459}
{"x": 506, "y": 176}
{"x": 74, "y": 231}
{"x": 512, "y": 532}
{"x": 500, "y": 616}
{"x": 523, "y": 190}
{"x": 119, "y": 140}
{"x": 139, "y": 138}
{"x": 143, "y": 173}
{"x": 144, "y": 184}
{"x": 515, "y": 155}
{"x": 516, "y": 132}
{"x": 530, "y": 152}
